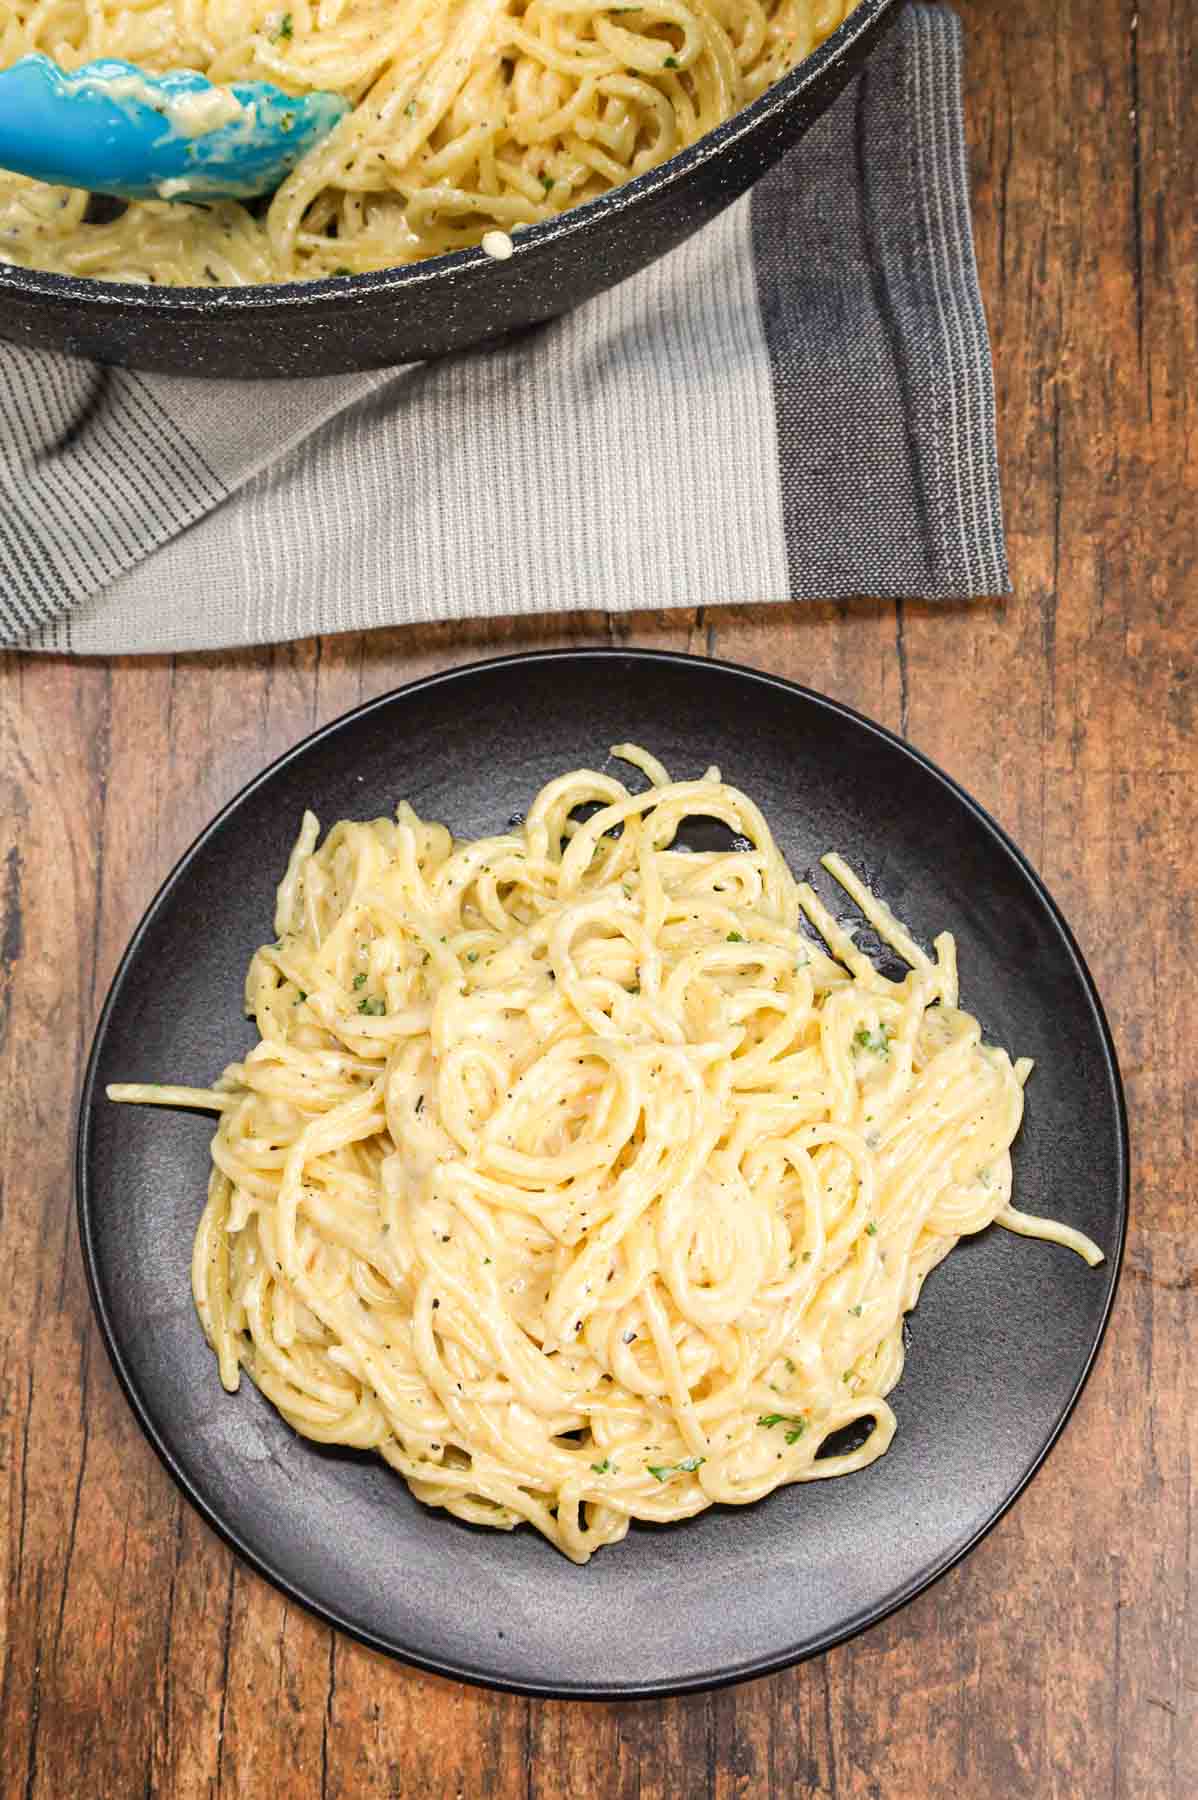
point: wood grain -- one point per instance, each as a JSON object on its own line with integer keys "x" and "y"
{"x": 1062, "y": 1658}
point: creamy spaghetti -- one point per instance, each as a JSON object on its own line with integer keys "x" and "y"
{"x": 469, "y": 117}
{"x": 585, "y": 1178}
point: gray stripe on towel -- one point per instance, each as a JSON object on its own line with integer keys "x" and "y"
{"x": 93, "y": 473}
{"x": 877, "y": 338}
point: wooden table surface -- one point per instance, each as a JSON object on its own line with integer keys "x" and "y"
{"x": 1062, "y": 1658}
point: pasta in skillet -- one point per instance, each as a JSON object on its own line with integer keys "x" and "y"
{"x": 469, "y": 117}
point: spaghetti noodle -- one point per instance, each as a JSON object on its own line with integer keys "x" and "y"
{"x": 573, "y": 1175}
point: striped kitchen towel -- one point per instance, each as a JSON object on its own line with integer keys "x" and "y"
{"x": 795, "y": 404}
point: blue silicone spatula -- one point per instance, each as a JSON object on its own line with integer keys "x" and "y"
{"x": 115, "y": 129}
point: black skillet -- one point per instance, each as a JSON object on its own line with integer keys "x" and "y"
{"x": 449, "y": 302}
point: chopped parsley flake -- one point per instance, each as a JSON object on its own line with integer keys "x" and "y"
{"x": 472, "y": 956}
{"x": 664, "y": 1471}
{"x": 871, "y": 1230}
{"x": 734, "y": 937}
{"x": 855, "y": 1311}
{"x": 285, "y": 29}
{"x": 549, "y": 182}
{"x": 878, "y": 1042}
{"x": 299, "y": 998}
{"x": 359, "y": 981}
{"x": 604, "y": 1468}
{"x": 797, "y": 1424}
{"x": 373, "y": 1005}
{"x": 671, "y": 62}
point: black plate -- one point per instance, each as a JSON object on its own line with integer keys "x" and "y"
{"x": 448, "y": 302}
{"x": 1003, "y": 1338}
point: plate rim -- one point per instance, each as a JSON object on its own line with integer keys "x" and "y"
{"x": 773, "y": 1662}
